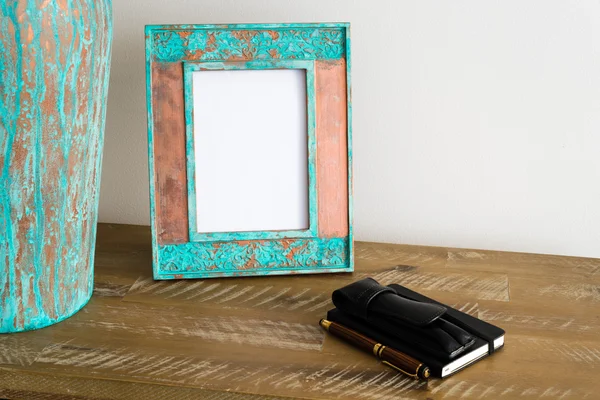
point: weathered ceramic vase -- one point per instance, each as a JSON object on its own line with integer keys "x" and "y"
{"x": 54, "y": 64}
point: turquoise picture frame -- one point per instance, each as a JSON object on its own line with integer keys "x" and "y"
{"x": 173, "y": 54}
{"x": 308, "y": 66}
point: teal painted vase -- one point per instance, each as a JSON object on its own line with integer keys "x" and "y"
{"x": 54, "y": 66}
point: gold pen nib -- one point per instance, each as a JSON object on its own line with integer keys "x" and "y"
{"x": 325, "y": 324}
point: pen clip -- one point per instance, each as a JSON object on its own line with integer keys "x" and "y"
{"x": 415, "y": 376}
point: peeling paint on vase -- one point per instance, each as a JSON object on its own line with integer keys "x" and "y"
{"x": 54, "y": 66}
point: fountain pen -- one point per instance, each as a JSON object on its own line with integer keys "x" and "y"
{"x": 390, "y": 357}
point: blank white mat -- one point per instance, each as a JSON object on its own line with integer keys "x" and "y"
{"x": 251, "y": 150}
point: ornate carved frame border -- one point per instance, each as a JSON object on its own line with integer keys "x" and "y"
{"x": 172, "y": 53}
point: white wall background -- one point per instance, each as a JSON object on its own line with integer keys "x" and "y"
{"x": 476, "y": 123}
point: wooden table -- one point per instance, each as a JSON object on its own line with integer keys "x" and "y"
{"x": 258, "y": 337}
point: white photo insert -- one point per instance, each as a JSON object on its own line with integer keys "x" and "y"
{"x": 251, "y": 150}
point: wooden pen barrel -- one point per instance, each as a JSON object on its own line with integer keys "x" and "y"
{"x": 395, "y": 359}
{"x": 412, "y": 365}
{"x": 349, "y": 336}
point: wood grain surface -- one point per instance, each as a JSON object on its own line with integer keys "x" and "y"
{"x": 258, "y": 338}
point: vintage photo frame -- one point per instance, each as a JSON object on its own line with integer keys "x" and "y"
{"x": 181, "y": 249}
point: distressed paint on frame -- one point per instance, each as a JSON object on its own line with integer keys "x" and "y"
{"x": 169, "y": 154}
{"x": 332, "y": 159}
{"x": 242, "y": 44}
{"x": 173, "y": 47}
{"x": 262, "y": 257}
{"x": 53, "y": 85}
{"x": 312, "y": 230}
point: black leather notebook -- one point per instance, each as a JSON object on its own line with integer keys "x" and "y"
{"x": 445, "y": 339}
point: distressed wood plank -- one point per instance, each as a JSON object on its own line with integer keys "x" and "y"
{"x": 199, "y": 324}
{"x": 109, "y": 289}
{"x": 21, "y": 349}
{"x": 525, "y": 264}
{"x": 386, "y": 255}
{"x": 360, "y": 378}
{"x": 17, "y": 385}
{"x": 260, "y": 293}
{"x": 119, "y": 265}
{"x": 248, "y": 338}
{"x": 478, "y": 285}
{"x": 575, "y": 295}
{"x": 321, "y": 378}
{"x": 541, "y": 320}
